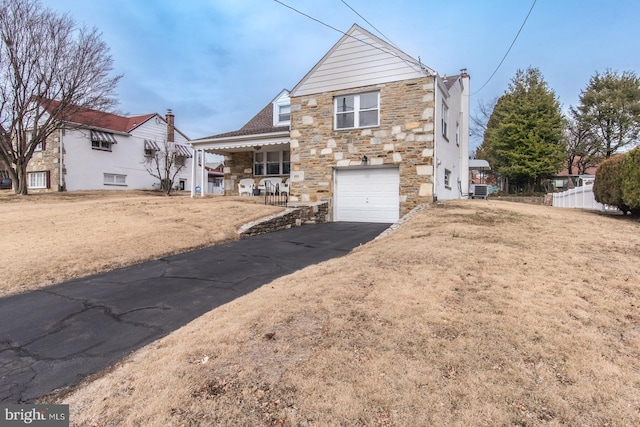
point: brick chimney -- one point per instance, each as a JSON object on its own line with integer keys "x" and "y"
{"x": 170, "y": 126}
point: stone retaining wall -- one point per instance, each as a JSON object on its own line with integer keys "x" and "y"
{"x": 293, "y": 216}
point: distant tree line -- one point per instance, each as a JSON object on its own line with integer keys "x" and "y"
{"x": 527, "y": 139}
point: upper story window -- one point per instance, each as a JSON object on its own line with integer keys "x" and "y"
{"x": 282, "y": 109}
{"x": 41, "y": 146}
{"x": 357, "y": 111}
{"x": 102, "y": 140}
{"x": 284, "y": 114}
{"x": 444, "y": 120}
{"x": 457, "y": 133}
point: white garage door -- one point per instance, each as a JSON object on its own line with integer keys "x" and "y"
{"x": 367, "y": 195}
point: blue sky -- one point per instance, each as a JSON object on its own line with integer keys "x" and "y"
{"x": 216, "y": 63}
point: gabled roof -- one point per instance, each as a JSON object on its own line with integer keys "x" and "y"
{"x": 106, "y": 121}
{"x": 449, "y": 81}
{"x": 261, "y": 123}
{"x": 358, "y": 59}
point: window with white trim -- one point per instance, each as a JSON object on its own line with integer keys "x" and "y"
{"x": 115, "y": 179}
{"x": 267, "y": 163}
{"x": 447, "y": 178}
{"x": 458, "y": 134}
{"x": 39, "y": 179}
{"x": 357, "y": 111}
{"x": 444, "y": 119}
{"x": 284, "y": 114}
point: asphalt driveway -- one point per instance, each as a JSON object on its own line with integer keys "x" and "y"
{"x": 55, "y": 337}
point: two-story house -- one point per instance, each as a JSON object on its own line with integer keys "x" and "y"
{"x": 369, "y": 129}
{"x": 103, "y": 151}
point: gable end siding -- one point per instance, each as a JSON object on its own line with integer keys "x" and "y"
{"x": 358, "y": 60}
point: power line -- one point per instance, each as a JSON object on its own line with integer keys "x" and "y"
{"x": 410, "y": 62}
{"x": 373, "y": 26}
{"x": 508, "y": 50}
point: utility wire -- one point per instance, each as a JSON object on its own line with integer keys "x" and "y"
{"x": 410, "y": 62}
{"x": 373, "y": 26}
{"x": 508, "y": 50}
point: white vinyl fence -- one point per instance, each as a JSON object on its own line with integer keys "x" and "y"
{"x": 579, "y": 198}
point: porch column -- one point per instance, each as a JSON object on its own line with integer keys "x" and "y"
{"x": 203, "y": 179}
{"x": 194, "y": 162}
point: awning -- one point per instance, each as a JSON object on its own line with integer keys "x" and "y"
{"x": 182, "y": 150}
{"x": 479, "y": 164}
{"x": 151, "y": 145}
{"x": 103, "y": 137}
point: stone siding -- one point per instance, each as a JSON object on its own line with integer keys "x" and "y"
{"x": 240, "y": 167}
{"x": 47, "y": 160}
{"x": 294, "y": 216}
{"x": 404, "y": 138}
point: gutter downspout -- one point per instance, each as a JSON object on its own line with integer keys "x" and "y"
{"x": 61, "y": 161}
{"x": 436, "y": 163}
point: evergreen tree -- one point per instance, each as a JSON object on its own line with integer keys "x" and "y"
{"x": 524, "y": 137}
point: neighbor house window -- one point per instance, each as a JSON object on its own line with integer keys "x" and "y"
{"x": 357, "y": 111}
{"x": 115, "y": 179}
{"x": 39, "y": 180}
{"x": 102, "y": 140}
{"x": 41, "y": 146}
{"x": 271, "y": 163}
{"x": 447, "y": 178}
{"x": 444, "y": 119}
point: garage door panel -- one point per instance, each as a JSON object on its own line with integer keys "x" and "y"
{"x": 367, "y": 195}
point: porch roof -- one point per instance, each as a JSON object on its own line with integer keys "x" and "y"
{"x": 236, "y": 144}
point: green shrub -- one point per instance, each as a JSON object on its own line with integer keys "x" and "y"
{"x": 631, "y": 180}
{"x": 607, "y": 188}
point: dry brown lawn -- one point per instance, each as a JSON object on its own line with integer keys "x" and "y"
{"x": 472, "y": 313}
{"x": 49, "y": 238}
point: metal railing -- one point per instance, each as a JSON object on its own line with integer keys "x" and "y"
{"x": 273, "y": 196}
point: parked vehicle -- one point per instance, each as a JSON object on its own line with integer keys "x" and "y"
{"x": 6, "y": 184}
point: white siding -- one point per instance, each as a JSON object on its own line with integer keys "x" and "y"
{"x": 85, "y": 167}
{"x": 450, "y": 155}
{"x": 358, "y": 59}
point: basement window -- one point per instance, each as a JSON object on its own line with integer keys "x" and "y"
{"x": 115, "y": 179}
{"x": 447, "y": 178}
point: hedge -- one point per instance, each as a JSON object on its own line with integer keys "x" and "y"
{"x": 618, "y": 182}
{"x": 631, "y": 180}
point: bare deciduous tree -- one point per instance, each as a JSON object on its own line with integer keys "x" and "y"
{"x": 49, "y": 70}
{"x": 583, "y": 147}
{"x": 479, "y": 120}
{"x": 165, "y": 164}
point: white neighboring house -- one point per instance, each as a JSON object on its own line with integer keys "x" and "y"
{"x": 104, "y": 151}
